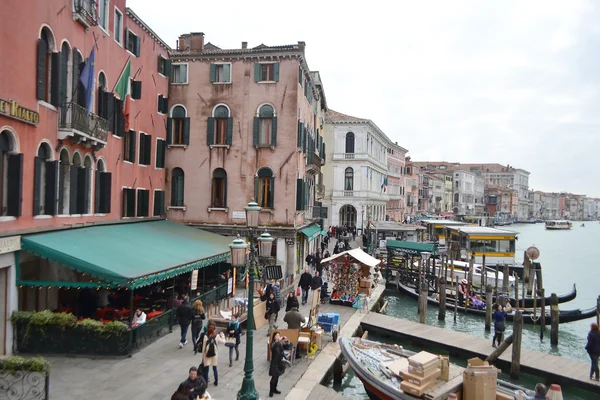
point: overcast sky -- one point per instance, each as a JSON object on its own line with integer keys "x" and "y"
{"x": 513, "y": 82}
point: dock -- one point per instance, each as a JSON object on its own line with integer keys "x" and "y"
{"x": 555, "y": 369}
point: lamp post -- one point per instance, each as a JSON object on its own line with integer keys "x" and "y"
{"x": 238, "y": 259}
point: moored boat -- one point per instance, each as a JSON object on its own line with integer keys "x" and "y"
{"x": 558, "y": 224}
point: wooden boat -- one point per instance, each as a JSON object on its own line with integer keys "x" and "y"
{"x": 529, "y": 317}
{"x": 374, "y": 364}
{"x": 558, "y": 224}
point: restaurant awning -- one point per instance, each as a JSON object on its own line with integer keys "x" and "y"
{"x": 129, "y": 255}
{"x": 311, "y": 232}
{"x": 412, "y": 248}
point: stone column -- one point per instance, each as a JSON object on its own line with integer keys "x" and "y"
{"x": 290, "y": 247}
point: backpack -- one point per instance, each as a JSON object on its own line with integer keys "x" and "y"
{"x": 211, "y": 347}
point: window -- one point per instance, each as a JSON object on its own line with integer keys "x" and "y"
{"x": 86, "y": 187}
{"x": 164, "y": 66}
{"x": 132, "y": 43}
{"x": 11, "y": 177}
{"x": 78, "y": 91}
{"x": 118, "y": 29}
{"x": 44, "y": 184}
{"x": 159, "y": 203}
{"x": 266, "y": 72}
{"x": 103, "y": 189}
{"x": 177, "y": 190}
{"x": 179, "y": 74}
{"x": 48, "y": 68}
{"x": 101, "y": 107}
{"x": 349, "y": 179}
{"x": 128, "y": 205}
{"x": 220, "y": 73}
{"x": 145, "y": 149}
{"x": 300, "y": 75}
{"x": 129, "y": 146}
{"x": 456, "y": 197}
{"x": 103, "y": 14}
{"x": 265, "y": 127}
{"x": 178, "y": 127}
{"x": 143, "y": 202}
{"x": 264, "y": 188}
{"x": 349, "y": 142}
{"x": 65, "y": 56}
{"x": 163, "y": 104}
{"x": 161, "y": 147}
{"x": 79, "y": 184}
{"x": 219, "y": 189}
{"x": 219, "y": 129}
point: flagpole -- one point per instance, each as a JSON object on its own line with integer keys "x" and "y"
{"x": 121, "y": 74}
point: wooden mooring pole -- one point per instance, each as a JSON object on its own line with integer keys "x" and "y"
{"x": 442, "y": 292}
{"x": 499, "y": 350}
{"x": 515, "y": 364}
{"x": 488, "y": 307}
{"x": 456, "y": 299}
{"x": 516, "y": 291}
{"x": 420, "y": 266}
{"x": 538, "y": 277}
{"x": 526, "y": 264}
{"x": 496, "y": 285}
{"x": 423, "y": 302}
{"x": 531, "y": 278}
{"x": 543, "y": 316}
{"x": 554, "y": 319}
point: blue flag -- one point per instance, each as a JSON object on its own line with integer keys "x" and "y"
{"x": 87, "y": 79}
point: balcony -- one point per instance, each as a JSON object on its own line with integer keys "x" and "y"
{"x": 82, "y": 126}
{"x": 313, "y": 162}
{"x": 320, "y": 189}
{"x": 359, "y": 157}
{"x": 85, "y": 12}
{"x": 348, "y": 193}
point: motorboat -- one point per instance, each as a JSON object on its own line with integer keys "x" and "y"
{"x": 558, "y": 224}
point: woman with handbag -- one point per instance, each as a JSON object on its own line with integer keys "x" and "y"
{"x": 499, "y": 324}
{"x": 197, "y": 321}
{"x": 277, "y": 366}
{"x": 233, "y": 332}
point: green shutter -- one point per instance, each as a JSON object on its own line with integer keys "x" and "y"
{"x": 210, "y": 131}
{"x": 300, "y": 128}
{"x": 306, "y": 195}
{"x": 186, "y": 130}
{"x": 300, "y": 75}
{"x": 271, "y": 200}
{"x": 257, "y": 72}
{"x": 299, "y": 187}
{"x": 169, "y": 130}
{"x": 304, "y": 140}
{"x": 132, "y": 146}
{"x": 229, "y": 139}
{"x": 213, "y": 73}
{"x": 226, "y": 72}
{"x": 255, "y": 131}
{"x": 276, "y": 72}
{"x": 168, "y": 67}
{"x": 256, "y": 190}
{"x": 274, "y": 132}
{"x": 323, "y": 151}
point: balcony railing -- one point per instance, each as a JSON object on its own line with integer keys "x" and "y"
{"x": 348, "y": 193}
{"x": 75, "y": 117}
{"x": 86, "y": 12}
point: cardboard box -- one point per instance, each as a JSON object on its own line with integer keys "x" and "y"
{"x": 415, "y": 390}
{"x": 421, "y": 380}
{"x": 422, "y": 371}
{"x": 365, "y": 283}
{"x": 502, "y": 396}
{"x": 476, "y": 362}
{"x": 480, "y": 382}
{"x": 423, "y": 360}
{"x": 444, "y": 368}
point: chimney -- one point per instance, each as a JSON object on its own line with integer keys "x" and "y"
{"x": 182, "y": 43}
{"x": 301, "y": 45}
{"x": 197, "y": 41}
{"x": 244, "y": 45}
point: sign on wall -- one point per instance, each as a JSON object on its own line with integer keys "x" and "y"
{"x": 238, "y": 215}
{"x": 12, "y": 109}
{"x": 194, "y": 283}
{"x": 10, "y": 244}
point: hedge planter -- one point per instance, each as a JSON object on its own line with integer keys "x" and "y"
{"x": 24, "y": 379}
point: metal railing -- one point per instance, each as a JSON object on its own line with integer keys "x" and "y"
{"x": 152, "y": 329}
{"x": 87, "y": 9}
{"x": 74, "y": 116}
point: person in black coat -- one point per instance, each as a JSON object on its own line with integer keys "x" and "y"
{"x": 593, "y": 349}
{"x": 291, "y": 302}
{"x": 194, "y": 385}
{"x": 316, "y": 282}
{"x": 305, "y": 280}
{"x": 197, "y": 321}
{"x": 272, "y": 310}
{"x": 277, "y": 367}
{"x": 185, "y": 314}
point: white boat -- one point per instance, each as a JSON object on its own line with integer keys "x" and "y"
{"x": 558, "y": 224}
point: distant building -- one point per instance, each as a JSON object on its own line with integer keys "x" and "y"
{"x": 468, "y": 193}
{"x": 395, "y": 189}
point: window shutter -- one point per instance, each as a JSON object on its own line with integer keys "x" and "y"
{"x": 323, "y": 151}
{"x": 37, "y": 185}
{"x": 156, "y": 212}
{"x": 255, "y": 131}
{"x": 300, "y": 76}
{"x": 14, "y": 185}
{"x": 50, "y": 204}
{"x": 126, "y": 38}
{"x": 163, "y": 153}
{"x": 137, "y": 47}
{"x": 73, "y": 189}
{"x": 42, "y": 49}
{"x": 227, "y": 72}
{"x": 160, "y": 103}
{"x": 257, "y": 72}
{"x": 160, "y": 60}
{"x": 306, "y": 195}
{"x": 168, "y": 67}
{"x": 271, "y": 200}
{"x": 274, "y": 131}
{"x": 229, "y": 138}
{"x": 165, "y": 105}
{"x": 225, "y": 192}
{"x": 124, "y": 203}
{"x": 304, "y": 140}
{"x": 101, "y": 103}
{"x": 136, "y": 90}
{"x": 299, "y": 196}
{"x": 142, "y": 148}
{"x": 55, "y": 80}
{"x": 97, "y": 192}
{"x": 186, "y": 130}
{"x": 109, "y": 104}
{"x": 106, "y": 187}
{"x": 120, "y": 118}
{"x": 256, "y": 190}
{"x": 210, "y": 131}
{"x": 276, "y": 72}
{"x": 169, "y": 131}
{"x": 148, "y": 150}
{"x": 300, "y": 128}
{"x": 82, "y": 190}
{"x": 213, "y": 73}
{"x": 132, "y": 146}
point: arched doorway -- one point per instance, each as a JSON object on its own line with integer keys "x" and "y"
{"x": 348, "y": 215}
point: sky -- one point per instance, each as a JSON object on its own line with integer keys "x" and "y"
{"x": 512, "y": 82}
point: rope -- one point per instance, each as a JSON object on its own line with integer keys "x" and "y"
{"x": 534, "y": 318}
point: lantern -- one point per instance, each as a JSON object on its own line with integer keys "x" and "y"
{"x": 238, "y": 252}
{"x": 252, "y": 213}
{"x": 265, "y": 244}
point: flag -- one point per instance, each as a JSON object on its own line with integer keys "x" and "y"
{"x": 122, "y": 89}
{"x": 87, "y": 79}
{"x": 384, "y": 184}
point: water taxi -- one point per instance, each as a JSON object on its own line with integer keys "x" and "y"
{"x": 435, "y": 228}
{"x": 558, "y": 224}
{"x": 498, "y": 245}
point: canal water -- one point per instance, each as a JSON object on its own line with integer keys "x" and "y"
{"x": 567, "y": 257}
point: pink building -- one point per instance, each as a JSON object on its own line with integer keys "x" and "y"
{"x": 395, "y": 182}
{"x": 246, "y": 124}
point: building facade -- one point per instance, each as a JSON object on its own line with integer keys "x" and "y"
{"x": 411, "y": 185}
{"x": 246, "y": 124}
{"x": 468, "y": 193}
{"x": 395, "y": 185}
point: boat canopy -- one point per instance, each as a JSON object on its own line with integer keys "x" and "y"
{"x": 412, "y": 248}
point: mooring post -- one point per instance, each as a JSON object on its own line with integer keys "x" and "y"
{"x": 543, "y": 315}
{"x": 483, "y": 275}
{"x": 516, "y": 292}
{"x": 338, "y": 371}
{"x": 538, "y": 276}
{"x": 554, "y": 319}
{"x": 598, "y": 310}
{"x": 488, "y": 307}
{"x": 531, "y": 278}
{"x": 505, "y": 280}
{"x": 534, "y": 302}
{"x": 499, "y": 350}
{"x": 442, "y": 292}
{"x": 515, "y": 364}
{"x": 496, "y": 285}
{"x": 420, "y": 264}
{"x": 456, "y": 299}
{"x": 470, "y": 275}
{"x": 423, "y": 302}
{"x": 526, "y": 263}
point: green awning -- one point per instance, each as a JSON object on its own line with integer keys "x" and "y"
{"x": 323, "y": 233}
{"x": 311, "y": 232}
{"x": 412, "y": 248}
{"x": 131, "y": 255}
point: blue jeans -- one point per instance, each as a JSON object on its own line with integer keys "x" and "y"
{"x": 304, "y": 295}
{"x": 184, "y": 329}
{"x": 215, "y": 373}
{"x": 594, "y": 368}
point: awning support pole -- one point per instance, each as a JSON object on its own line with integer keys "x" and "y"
{"x": 130, "y": 321}
{"x": 172, "y": 319}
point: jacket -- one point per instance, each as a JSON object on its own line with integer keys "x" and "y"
{"x": 185, "y": 313}
{"x": 272, "y": 306}
{"x": 593, "y": 343}
{"x": 499, "y": 317}
{"x": 197, "y": 387}
{"x": 276, "y": 368}
{"x": 316, "y": 283}
{"x": 197, "y": 318}
{"x": 211, "y": 361}
{"x": 305, "y": 280}
{"x": 290, "y": 303}
{"x": 237, "y": 330}
{"x": 277, "y": 291}
{"x": 294, "y": 319}
{"x": 310, "y": 259}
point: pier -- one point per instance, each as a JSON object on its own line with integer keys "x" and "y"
{"x": 555, "y": 369}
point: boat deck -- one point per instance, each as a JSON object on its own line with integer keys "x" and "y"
{"x": 556, "y": 369}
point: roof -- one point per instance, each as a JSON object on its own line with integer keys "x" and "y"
{"x": 482, "y": 230}
{"x": 412, "y": 247}
{"x": 394, "y": 226}
{"x": 141, "y": 23}
{"x": 333, "y": 117}
{"x": 130, "y": 255}
{"x": 443, "y": 222}
{"x": 358, "y": 254}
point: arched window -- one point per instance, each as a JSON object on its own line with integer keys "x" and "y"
{"x": 45, "y": 182}
{"x": 47, "y": 82}
{"x": 456, "y": 197}
{"x": 177, "y": 190}
{"x": 265, "y": 127}
{"x": 349, "y": 142}
{"x": 100, "y": 107}
{"x": 65, "y": 56}
{"x": 102, "y": 198}
{"x": 78, "y": 89}
{"x": 178, "y": 127}
{"x": 265, "y": 188}
{"x": 349, "y": 179}
{"x": 220, "y": 127}
{"x": 64, "y": 182}
{"x": 11, "y": 176}
{"x": 219, "y": 189}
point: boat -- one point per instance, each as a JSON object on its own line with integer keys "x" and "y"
{"x": 461, "y": 271}
{"x": 558, "y": 224}
{"x": 497, "y": 245}
{"x": 530, "y": 316}
{"x": 374, "y": 363}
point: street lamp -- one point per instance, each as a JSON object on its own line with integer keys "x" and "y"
{"x": 238, "y": 259}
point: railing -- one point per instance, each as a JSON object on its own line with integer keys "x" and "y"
{"x": 24, "y": 385}
{"x": 87, "y": 10}
{"x": 152, "y": 329}
{"x": 74, "y": 116}
{"x": 349, "y": 156}
{"x": 348, "y": 193}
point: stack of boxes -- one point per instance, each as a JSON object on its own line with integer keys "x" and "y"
{"x": 326, "y": 321}
{"x": 365, "y": 286}
{"x": 480, "y": 381}
{"x": 423, "y": 371}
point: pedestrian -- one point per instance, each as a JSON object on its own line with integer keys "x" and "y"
{"x": 291, "y": 301}
{"x": 462, "y": 292}
{"x": 499, "y": 324}
{"x": 185, "y": 314}
{"x": 310, "y": 259}
{"x": 210, "y": 352}
{"x": 182, "y": 393}
{"x": 593, "y": 349}
{"x": 234, "y": 332}
{"x": 197, "y": 319}
{"x": 305, "y": 280}
{"x": 276, "y": 367}
{"x": 194, "y": 385}
{"x": 294, "y": 319}
{"x": 272, "y": 311}
{"x": 277, "y": 291}
{"x": 316, "y": 282}
{"x": 198, "y": 347}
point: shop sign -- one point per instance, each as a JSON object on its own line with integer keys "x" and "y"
{"x": 194, "y": 282}
{"x": 10, "y": 244}
{"x": 238, "y": 215}
{"x": 12, "y": 109}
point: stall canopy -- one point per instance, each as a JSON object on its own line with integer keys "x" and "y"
{"x": 358, "y": 255}
{"x": 311, "y": 232}
{"x": 412, "y": 248}
{"x": 129, "y": 255}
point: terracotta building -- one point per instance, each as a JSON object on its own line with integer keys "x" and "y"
{"x": 246, "y": 123}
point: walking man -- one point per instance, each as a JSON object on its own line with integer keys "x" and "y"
{"x": 305, "y": 280}
{"x": 185, "y": 314}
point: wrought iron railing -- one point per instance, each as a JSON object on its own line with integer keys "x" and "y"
{"x": 152, "y": 329}
{"x": 24, "y": 385}
{"x": 88, "y": 10}
{"x": 74, "y": 116}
